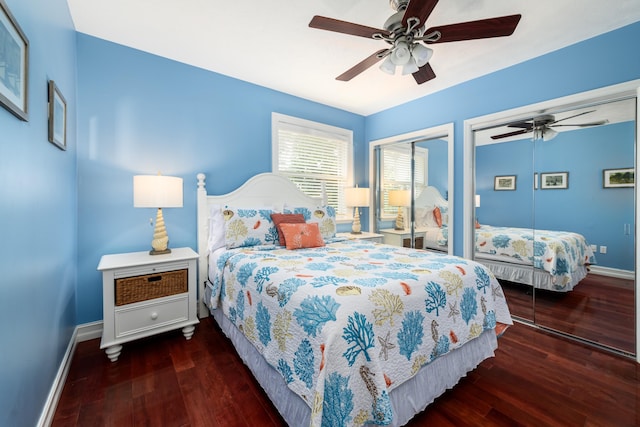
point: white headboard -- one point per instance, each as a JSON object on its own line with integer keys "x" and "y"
{"x": 430, "y": 196}
{"x": 265, "y": 189}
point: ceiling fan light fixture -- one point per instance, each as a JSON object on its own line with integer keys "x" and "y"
{"x": 548, "y": 134}
{"x": 388, "y": 66}
{"x": 410, "y": 67}
{"x": 421, "y": 54}
{"x": 401, "y": 54}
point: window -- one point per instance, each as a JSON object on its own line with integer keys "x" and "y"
{"x": 312, "y": 154}
{"x": 396, "y": 173}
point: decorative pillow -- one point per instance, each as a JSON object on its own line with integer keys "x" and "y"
{"x": 305, "y": 235}
{"x": 248, "y": 227}
{"x": 279, "y": 218}
{"x": 324, "y": 216}
{"x": 444, "y": 212}
{"x": 438, "y": 216}
{"x": 216, "y": 228}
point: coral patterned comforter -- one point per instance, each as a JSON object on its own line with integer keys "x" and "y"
{"x": 346, "y": 323}
{"x": 560, "y": 253}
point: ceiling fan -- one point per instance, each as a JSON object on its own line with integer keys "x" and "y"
{"x": 404, "y": 31}
{"x": 543, "y": 126}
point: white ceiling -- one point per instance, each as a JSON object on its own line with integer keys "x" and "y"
{"x": 269, "y": 43}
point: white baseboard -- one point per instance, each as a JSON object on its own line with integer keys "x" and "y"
{"x": 81, "y": 333}
{"x": 612, "y": 272}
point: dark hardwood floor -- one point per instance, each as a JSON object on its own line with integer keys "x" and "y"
{"x": 535, "y": 379}
{"x": 599, "y": 308}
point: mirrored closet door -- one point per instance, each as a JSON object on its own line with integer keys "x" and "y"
{"x": 557, "y": 215}
{"x": 411, "y": 178}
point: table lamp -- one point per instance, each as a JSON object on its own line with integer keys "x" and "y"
{"x": 401, "y": 199}
{"x": 356, "y": 198}
{"x": 158, "y": 191}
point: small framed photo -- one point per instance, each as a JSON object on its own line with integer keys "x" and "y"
{"x": 14, "y": 65}
{"x": 554, "y": 180}
{"x": 618, "y": 178}
{"x": 57, "y": 117}
{"x": 504, "y": 182}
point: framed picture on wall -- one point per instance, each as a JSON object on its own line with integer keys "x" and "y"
{"x": 57, "y": 117}
{"x": 554, "y": 180}
{"x": 618, "y": 178}
{"x": 14, "y": 65}
{"x": 504, "y": 182}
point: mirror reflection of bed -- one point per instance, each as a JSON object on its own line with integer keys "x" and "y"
{"x": 598, "y": 303}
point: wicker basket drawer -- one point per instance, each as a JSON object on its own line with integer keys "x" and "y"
{"x": 150, "y": 286}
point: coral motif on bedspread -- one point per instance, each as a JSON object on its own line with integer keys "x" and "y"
{"x": 346, "y": 323}
{"x": 560, "y": 253}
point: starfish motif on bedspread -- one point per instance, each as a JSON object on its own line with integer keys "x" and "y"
{"x": 453, "y": 310}
{"x": 386, "y": 345}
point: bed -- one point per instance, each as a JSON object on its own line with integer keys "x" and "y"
{"x": 350, "y": 332}
{"x": 560, "y": 258}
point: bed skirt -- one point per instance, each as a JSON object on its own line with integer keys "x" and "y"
{"x": 526, "y": 274}
{"x": 407, "y": 399}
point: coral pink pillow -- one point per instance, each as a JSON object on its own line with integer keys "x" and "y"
{"x": 298, "y": 236}
{"x": 279, "y": 218}
{"x": 438, "y": 216}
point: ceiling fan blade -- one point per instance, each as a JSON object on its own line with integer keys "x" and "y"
{"x": 508, "y": 134}
{"x": 330, "y": 24}
{"x": 524, "y": 125}
{"x": 571, "y": 117}
{"x": 420, "y": 9}
{"x": 362, "y": 66}
{"x": 482, "y": 29}
{"x": 584, "y": 125}
{"x": 424, "y": 74}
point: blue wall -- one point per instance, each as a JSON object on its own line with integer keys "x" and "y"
{"x": 141, "y": 114}
{"x": 564, "y": 72}
{"x": 585, "y": 207}
{"x": 37, "y": 220}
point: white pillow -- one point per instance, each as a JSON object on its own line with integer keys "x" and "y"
{"x": 424, "y": 217}
{"x": 216, "y": 228}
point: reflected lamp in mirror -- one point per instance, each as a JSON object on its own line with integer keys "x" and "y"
{"x": 158, "y": 191}
{"x": 356, "y": 198}
{"x": 401, "y": 199}
{"x": 477, "y": 204}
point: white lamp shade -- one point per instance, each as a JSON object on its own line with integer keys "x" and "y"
{"x": 400, "y": 54}
{"x": 357, "y": 197}
{"x": 399, "y": 198}
{"x": 421, "y": 54}
{"x": 388, "y": 66}
{"x": 477, "y": 200}
{"x": 410, "y": 67}
{"x": 157, "y": 191}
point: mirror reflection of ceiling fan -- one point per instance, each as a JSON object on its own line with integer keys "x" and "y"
{"x": 542, "y": 127}
{"x": 405, "y": 30}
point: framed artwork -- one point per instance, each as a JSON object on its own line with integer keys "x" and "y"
{"x": 618, "y": 178}
{"x": 57, "y": 117}
{"x": 14, "y": 65}
{"x": 504, "y": 182}
{"x": 554, "y": 180}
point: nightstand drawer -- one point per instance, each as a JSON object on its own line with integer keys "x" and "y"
{"x": 150, "y": 286}
{"x": 155, "y": 314}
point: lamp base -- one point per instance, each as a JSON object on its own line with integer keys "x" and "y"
{"x": 162, "y": 252}
{"x": 356, "y": 232}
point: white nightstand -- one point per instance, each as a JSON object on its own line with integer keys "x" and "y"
{"x": 365, "y": 235}
{"x": 403, "y": 238}
{"x": 145, "y": 295}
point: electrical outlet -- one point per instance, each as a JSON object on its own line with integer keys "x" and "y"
{"x": 603, "y": 249}
{"x": 594, "y": 248}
